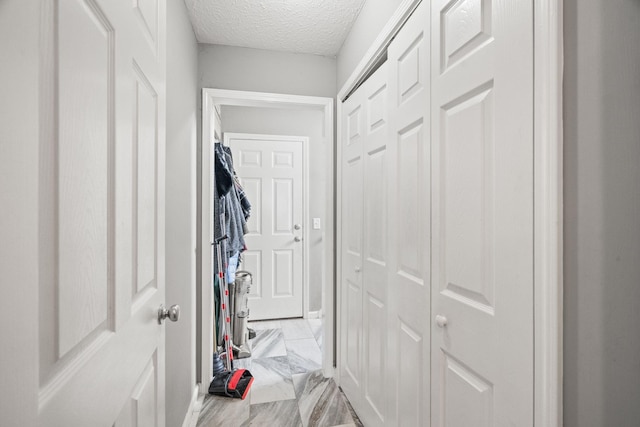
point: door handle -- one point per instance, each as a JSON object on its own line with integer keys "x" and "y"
{"x": 173, "y": 313}
{"x": 297, "y": 227}
{"x": 297, "y": 239}
{"x": 441, "y": 321}
{"x": 357, "y": 269}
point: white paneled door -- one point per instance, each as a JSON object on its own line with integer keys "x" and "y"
{"x": 482, "y": 256}
{"x": 101, "y": 214}
{"x": 409, "y": 273}
{"x": 271, "y": 171}
{"x": 365, "y": 249}
{"x": 437, "y": 222}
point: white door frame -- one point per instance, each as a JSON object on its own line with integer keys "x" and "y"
{"x": 548, "y": 197}
{"x": 212, "y": 98}
{"x": 304, "y": 140}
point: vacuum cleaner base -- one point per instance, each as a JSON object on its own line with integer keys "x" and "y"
{"x": 231, "y": 384}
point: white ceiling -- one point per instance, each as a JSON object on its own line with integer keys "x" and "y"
{"x": 302, "y": 26}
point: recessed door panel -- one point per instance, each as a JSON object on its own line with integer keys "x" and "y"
{"x": 375, "y": 356}
{"x": 409, "y": 389}
{"x": 410, "y": 192}
{"x": 252, "y": 262}
{"x": 249, "y": 158}
{"x": 84, "y": 175}
{"x": 353, "y": 332}
{"x": 375, "y": 223}
{"x": 353, "y": 206}
{"x": 143, "y": 399}
{"x": 147, "y": 13}
{"x": 466, "y": 396}
{"x": 377, "y": 108}
{"x": 465, "y": 27}
{"x": 145, "y": 146}
{"x": 353, "y": 125}
{"x": 283, "y": 206}
{"x": 468, "y": 175}
{"x": 411, "y": 67}
{"x": 283, "y": 270}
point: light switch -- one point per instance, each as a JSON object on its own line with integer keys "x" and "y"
{"x": 316, "y": 223}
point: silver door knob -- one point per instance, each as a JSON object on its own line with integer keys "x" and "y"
{"x": 357, "y": 269}
{"x": 173, "y": 313}
{"x": 297, "y": 239}
{"x": 297, "y": 227}
{"x": 441, "y": 321}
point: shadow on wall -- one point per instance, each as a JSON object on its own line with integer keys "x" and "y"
{"x": 602, "y": 213}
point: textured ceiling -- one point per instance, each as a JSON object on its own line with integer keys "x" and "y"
{"x": 302, "y": 26}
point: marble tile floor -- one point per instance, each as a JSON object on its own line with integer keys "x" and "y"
{"x": 288, "y": 388}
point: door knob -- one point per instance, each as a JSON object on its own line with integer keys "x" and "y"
{"x": 297, "y": 227}
{"x": 441, "y": 321}
{"x": 297, "y": 239}
{"x": 357, "y": 269}
{"x": 173, "y": 313}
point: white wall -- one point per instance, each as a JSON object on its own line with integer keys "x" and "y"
{"x": 297, "y": 123}
{"x": 226, "y": 67}
{"x": 182, "y": 101}
{"x": 602, "y": 213}
{"x": 372, "y": 18}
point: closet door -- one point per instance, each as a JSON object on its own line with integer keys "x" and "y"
{"x": 482, "y": 136}
{"x": 351, "y": 247}
{"x": 408, "y": 386}
{"x": 364, "y": 249}
{"x": 375, "y": 254}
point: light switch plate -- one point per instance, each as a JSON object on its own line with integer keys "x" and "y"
{"x": 316, "y": 223}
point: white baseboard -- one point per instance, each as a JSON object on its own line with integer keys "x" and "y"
{"x": 315, "y": 314}
{"x": 191, "y": 417}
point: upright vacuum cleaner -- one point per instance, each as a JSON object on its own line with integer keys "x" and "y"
{"x": 226, "y": 381}
{"x": 240, "y": 314}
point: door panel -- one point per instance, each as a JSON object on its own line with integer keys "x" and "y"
{"x": 271, "y": 172}
{"x": 364, "y": 247}
{"x": 410, "y": 214}
{"x": 352, "y": 267}
{"x": 351, "y": 293}
{"x": 374, "y": 267}
{"x": 101, "y": 259}
{"x": 482, "y": 134}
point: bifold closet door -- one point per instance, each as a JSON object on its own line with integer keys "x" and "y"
{"x": 482, "y": 136}
{"x": 408, "y": 387}
{"x": 365, "y": 249}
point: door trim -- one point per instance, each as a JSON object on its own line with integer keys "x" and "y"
{"x": 305, "y": 201}
{"x": 378, "y": 49}
{"x": 548, "y": 196}
{"x": 548, "y": 212}
{"x": 219, "y": 97}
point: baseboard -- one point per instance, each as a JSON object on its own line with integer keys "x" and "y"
{"x": 315, "y": 314}
{"x": 194, "y": 409}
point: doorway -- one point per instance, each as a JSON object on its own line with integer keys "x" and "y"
{"x": 322, "y": 177}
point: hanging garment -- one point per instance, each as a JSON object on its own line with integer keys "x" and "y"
{"x": 223, "y": 171}
{"x": 229, "y": 215}
{"x": 244, "y": 200}
{"x": 232, "y": 267}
